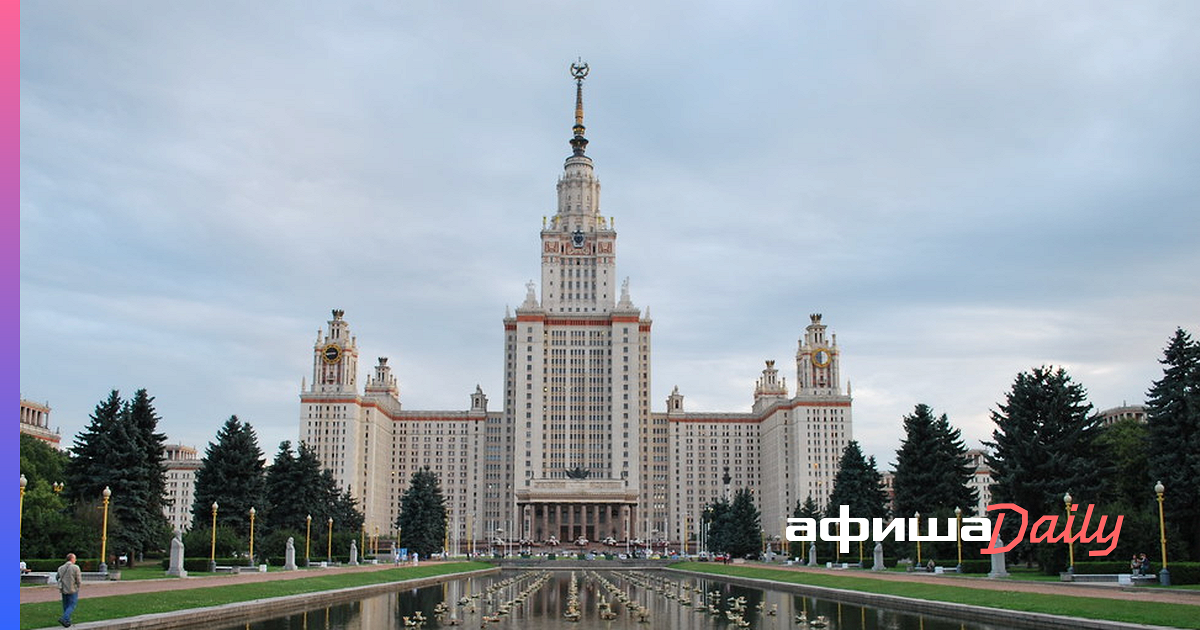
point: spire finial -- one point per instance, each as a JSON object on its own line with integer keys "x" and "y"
{"x": 579, "y": 70}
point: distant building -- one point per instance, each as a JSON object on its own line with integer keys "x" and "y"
{"x": 182, "y": 462}
{"x": 981, "y": 482}
{"x": 888, "y": 484}
{"x": 1116, "y": 414}
{"x": 35, "y": 421}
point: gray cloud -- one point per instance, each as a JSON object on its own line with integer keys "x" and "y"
{"x": 964, "y": 191}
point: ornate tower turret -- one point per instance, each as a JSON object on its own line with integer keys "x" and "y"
{"x": 770, "y": 388}
{"x": 817, "y": 369}
{"x": 335, "y": 358}
{"x": 383, "y": 382}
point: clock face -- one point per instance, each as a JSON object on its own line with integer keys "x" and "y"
{"x": 331, "y": 353}
{"x": 821, "y": 358}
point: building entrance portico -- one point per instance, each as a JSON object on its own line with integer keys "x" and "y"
{"x": 568, "y": 522}
{"x": 568, "y": 510}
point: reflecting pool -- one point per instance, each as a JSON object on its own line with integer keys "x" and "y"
{"x": 616, "y": 600}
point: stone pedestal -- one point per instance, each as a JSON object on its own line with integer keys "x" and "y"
{"x": 999, "y": 565}
{"x": 289, "y": 557}
{"x": 175, "y": 568}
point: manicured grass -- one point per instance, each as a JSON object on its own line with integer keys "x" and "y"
{"x": 1155, "y": 613}
{"x": 44, "y": 614}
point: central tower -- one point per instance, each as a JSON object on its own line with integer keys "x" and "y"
{"x": 577, "y": 373}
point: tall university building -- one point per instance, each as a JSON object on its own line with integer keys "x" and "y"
{"x": 577, "y": 449}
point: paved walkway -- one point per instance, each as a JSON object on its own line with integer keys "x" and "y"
{"x": 1145, "y": 594}
{"x": 1068, "y": 589}
{"x": 50, "y": 593}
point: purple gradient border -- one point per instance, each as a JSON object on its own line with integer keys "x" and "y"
{"x": 10, "y": 161}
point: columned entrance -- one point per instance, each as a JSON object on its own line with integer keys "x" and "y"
{"x": 569, "y": 521}
{"x": 569, "y": 510}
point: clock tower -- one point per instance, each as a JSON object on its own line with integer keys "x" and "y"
{"x": 335, "y": 358}
{"x": 817, "y": 361}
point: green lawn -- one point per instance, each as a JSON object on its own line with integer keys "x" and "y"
{"x": 1176, "y": 615}
{"x": 41, "y": 615}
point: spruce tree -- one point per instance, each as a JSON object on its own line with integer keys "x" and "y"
{"x": 120, "y": 450}
{"x": 716, "y": 517}
{"x": 808, "y": 509}
{"x": 296, "y": 487}
{"x": 89, "y": 470}
{"x": 287, "y": 500}
{"x": 132, "y": 524}
{"x": 932, "y": 471}
{"x": 422, "y": 518}
{"x": 144, "y": 420}
{"x": 1043, "y": 447}
{"x": 858, "y": 485}
{"x": 744, "y": 525}
{"x": 230, "y": 474}
{"x": 1173, "y": 442}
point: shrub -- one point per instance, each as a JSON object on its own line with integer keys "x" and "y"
{"x": 1184, "y": 572}
{"x": 43, "y": 565}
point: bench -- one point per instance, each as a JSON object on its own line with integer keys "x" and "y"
{"x": 35, "y": 578}
{"x": 1108, "y": 578}
{"x": 228, "y": 569}
{"x": 96, "y": 576}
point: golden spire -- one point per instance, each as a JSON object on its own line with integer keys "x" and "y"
{"x": 579, "y": 70}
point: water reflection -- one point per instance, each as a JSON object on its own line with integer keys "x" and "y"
{"x": 612, "y": 600}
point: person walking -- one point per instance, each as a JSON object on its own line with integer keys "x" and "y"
{"x": 69, "y": 580}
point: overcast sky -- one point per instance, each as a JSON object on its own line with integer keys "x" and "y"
{"x": 964, "y": 190}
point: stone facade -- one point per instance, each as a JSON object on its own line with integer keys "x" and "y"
{"x": 181, "y": 463}
{"x": 576, "y": 451}
{"x": 35, "y": 422}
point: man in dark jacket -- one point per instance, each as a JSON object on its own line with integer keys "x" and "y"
{"x": 69, "y": 580}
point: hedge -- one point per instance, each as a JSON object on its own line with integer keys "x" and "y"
{"x": 43, "y": 565}
{"x": 1181, "y": 572}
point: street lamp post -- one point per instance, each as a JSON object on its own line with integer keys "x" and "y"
{"x": 307, "y": 537}
{"x": 212, "y": 556}
{"x": 1070, "y": 541}
{"x": 21, "y": 506}
{"x": 1164, "y": 576}
{"x": 104, "y": 532}
{"x": 917, "y": 516}
{"x": 252, "y": 513}
{"x": 329, "y": 543}
{"x": 958, "y": 535}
